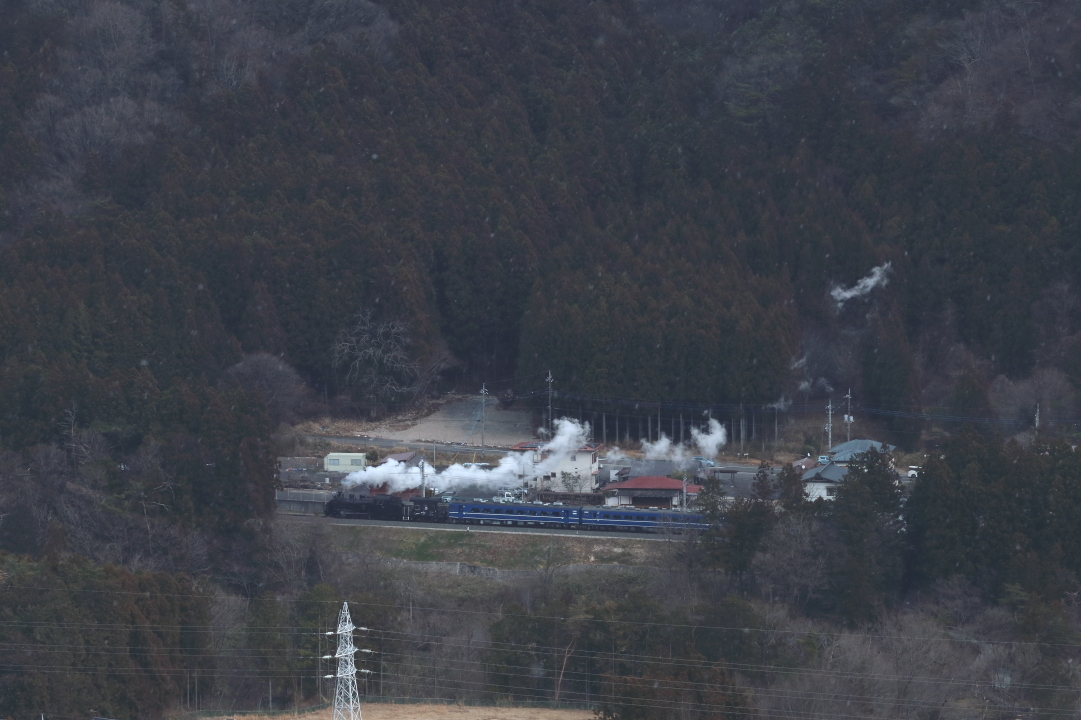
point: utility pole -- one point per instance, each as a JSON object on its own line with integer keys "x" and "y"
{"x": 423, "y": 489}
{"x": 483, "y": 402}
{"x": 848, "y": 417}
{"x": 829, "y": 425}
{"x": 549, "y": 379}
{"x": 741, "y": 428}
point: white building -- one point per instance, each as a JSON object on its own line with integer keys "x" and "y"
{"x": 344, "y": 462}
{"x": 567, "y": 473}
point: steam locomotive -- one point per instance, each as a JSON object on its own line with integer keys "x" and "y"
{"x": 481, "y": 512}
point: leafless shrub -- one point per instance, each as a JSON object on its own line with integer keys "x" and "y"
{"x": 352, "y": 26}
{"x": 376, "y": 359}
{"x": 1047, "y": 389}
{"x": 795, "y": 560}
{"x": 765, "y": 62}
{"x": 109, "y": 92}
{"x": 906, "y": 669}
{"x": 955, "y": 601}
{"x": 273, "y": 380}
{"x": 118, "y": 75}
{"x": 1003, "y": 57}
{"x": 553, "y": 560}
{"x": 102, "y": 129}
{"x": 112, "y": 42}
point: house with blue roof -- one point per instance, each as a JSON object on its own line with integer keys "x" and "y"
{"x": 846, "y": 452}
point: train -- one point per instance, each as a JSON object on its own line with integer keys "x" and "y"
{"x": 345, "y": 504}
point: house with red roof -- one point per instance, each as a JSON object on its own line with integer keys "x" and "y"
{"x": 651, "y": 492}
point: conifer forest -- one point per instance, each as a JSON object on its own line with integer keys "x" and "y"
{"x": 220, "y": 218}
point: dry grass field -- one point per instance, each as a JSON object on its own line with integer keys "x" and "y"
{"x": 509, "y": 551}
{"x": 382, "y": 711}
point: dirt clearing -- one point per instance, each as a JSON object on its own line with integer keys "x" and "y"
{"x": 454, "y": 419}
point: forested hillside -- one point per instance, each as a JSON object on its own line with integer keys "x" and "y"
{"x": 652, "y": 200}
{"x": 205, "y": 205}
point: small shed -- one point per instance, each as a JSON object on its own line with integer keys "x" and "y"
{"x": 344, "y": 462}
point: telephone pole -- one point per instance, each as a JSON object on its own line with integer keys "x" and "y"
{"x": 483, "y": 402}
{"x": 549, "y": 379}
{"x": 848, "y": 417}
{"x": 829, "y": 426}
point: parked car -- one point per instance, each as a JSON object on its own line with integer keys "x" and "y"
{"x": 914, "y": 471}
{"x": 703, "y": 461}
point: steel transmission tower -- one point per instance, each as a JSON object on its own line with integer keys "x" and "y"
{"x": 346, "y": 697}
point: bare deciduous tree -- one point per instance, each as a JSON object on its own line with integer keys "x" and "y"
{"x": 1047, "y": 389}
{"x": 273, "y": 379}
{"x": 375, "y": 357}
{"x": 795, "y": 559}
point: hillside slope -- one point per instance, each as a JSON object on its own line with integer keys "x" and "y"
{"x": 654, "y": 202}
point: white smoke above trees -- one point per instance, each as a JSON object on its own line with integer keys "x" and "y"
{"x": 876, "y": 278}
{"x": 515, "y": 468}
{"x": 512, "y": 469}
{"x": 665, "y": 449}
{"x": 711, "y": 441}
{"x": 708, "y": 442}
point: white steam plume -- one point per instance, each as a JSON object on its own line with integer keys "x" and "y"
{"x": 616, "y": 455}
{"x": 711, "y": 442}
{"x": 876, "y": 278}
{"x": 783, "y": 404}
{"x": 511, "y": 470}
{"x": 665, "y": 449}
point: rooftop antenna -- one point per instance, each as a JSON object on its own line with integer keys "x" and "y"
{"x": 346, "y": 697}
{"x": 848, "y": 417}
{"x": 829, "y": 425}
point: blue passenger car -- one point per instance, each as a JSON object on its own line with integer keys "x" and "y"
{"x": 484, "y": 513}
{"x": 619, "y": 518}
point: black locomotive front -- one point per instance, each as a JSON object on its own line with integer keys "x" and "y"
{"x": 347, "y": 504}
